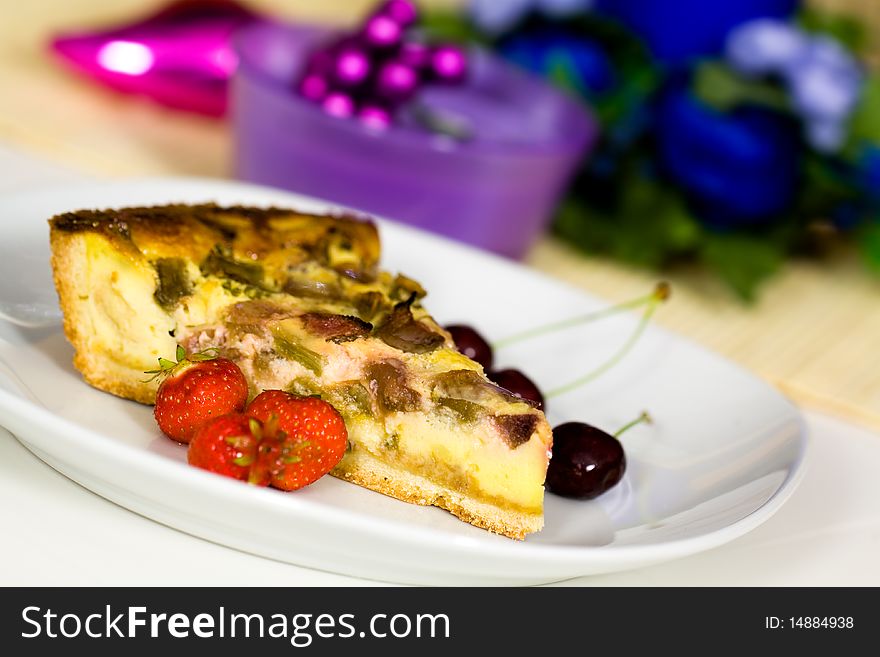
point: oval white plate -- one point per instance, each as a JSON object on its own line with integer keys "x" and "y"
{"x": 725, "y": 451}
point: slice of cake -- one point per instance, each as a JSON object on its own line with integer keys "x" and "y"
{"x": 299, "y": 303}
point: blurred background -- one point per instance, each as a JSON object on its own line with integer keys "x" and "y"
{"x": 734, "y": 151}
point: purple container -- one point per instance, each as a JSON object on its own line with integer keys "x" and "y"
{"x": 496, "y": 190}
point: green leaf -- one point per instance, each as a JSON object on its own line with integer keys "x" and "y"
{"x": 869, "y": 243}
{"x": 561, "y": 72}
{"x": 826, "y": 184}
{"x": 865, "y": 121}
{"x": 181, "y": 353}
{"x": 208, "y": 354}
{"x": 742, "y": 261}
{"x": 846, "y": 29}
{"x": 648, "y": 225}
{"x": 446, "y": 25}
{"x": 724, "y": 89}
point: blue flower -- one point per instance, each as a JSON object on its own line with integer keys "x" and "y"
{"x": 738, "y": 169}
{"x": 869, "y": 172}
{"x": 826, "y": 81}
{"x": 679, "y": 30}
{"x": 864, "y": 175}
{"x": 498, "y": 16}
{"x": 825, "y": 86}
{"x": 557, "y": 53}
{"x": 823, "y": 80}
{"x": 826, "y": 135}
{"x": 765, "y": 46}
{"x": 847, "y": 215}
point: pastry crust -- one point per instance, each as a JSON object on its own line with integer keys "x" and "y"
{"x": 366, "y": 470}
{"x": 298, "y": 301}
{"x": 69, "y": 270}
{"x": 277, "y": 238}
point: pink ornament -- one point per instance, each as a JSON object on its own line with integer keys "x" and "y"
{"x": 375, "y": 117}
{"x": 352, "y": 67}
{"x": 382, "y": 32}
{"x": 396, "y": 81}
{"x": 449, "y": 63}
{"x": 403, "y": 12}
{"x": 180, "y": 57}
{"x": 378, "y": 67}
{"x": 339, "y": 105}
{"x": 314, "y": 87}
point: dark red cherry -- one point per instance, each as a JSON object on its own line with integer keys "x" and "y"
{"x": 586, "y": 461}
{"x": 519, "y": 384}
{"x": 471, "y": 344}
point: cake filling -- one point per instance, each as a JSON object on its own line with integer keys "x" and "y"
{"x": 405, "y": 412}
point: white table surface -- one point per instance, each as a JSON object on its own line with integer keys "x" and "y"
{"x": 57, "y": 533}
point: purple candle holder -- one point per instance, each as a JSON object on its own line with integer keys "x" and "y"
{"x": 495, "y": 189}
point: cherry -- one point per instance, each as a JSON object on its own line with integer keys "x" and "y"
{"x": 476, "y": 347}
{"x": 471, "y": 344}
{"x": 586, "y": 461}
{"x": 519, "y": 384}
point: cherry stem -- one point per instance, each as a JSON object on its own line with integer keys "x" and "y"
{"x": 660, "y": 294}
{"x": 643, "y": 418}
{"x": 662, "y": 289}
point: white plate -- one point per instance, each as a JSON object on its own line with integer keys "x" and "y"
{"x": 726, "y": 450}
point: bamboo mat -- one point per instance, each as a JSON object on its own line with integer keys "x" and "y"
{"x": 815, "y": 332}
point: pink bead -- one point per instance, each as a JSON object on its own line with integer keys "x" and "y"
{"x": 449, "y": 63}
{"x": 352, "y": 67}
{"x": 403, "y": 12}
{"x": 397, "y": 81}
{"x": 381, "y": 31}
{"x": 338, "y": 104}
{"x": 375, "y": 117}
{"x": 313, "y": 87}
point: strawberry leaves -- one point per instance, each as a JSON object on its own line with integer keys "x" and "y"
{"x": 167, "y": 367}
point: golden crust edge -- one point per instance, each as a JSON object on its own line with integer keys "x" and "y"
{"x": 365, "y": 470}
{"x": 150, "y": 230}
{"x": 98, "y": 370}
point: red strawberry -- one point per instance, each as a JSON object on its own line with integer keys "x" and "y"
{"x": 311, "y": 441}
{"x": 196, "y": 389}
{"x": 226, "y": 445}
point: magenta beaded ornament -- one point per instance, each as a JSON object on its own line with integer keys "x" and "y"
{"x": 373, "y": 71}
{"x": 352, "y": 66}
{"x": 339, "y": 104}
{"x": 403, "y": 12}
{"x": 448, "y": 64}
{"x": 382, "y": 32}
{"x": 396, "y": 82}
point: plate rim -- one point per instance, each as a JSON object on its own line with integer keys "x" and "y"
{"x": 11, "y": 403}
{"x": 156, "y": 463}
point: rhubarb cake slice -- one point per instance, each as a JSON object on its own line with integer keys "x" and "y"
{"x": 299, "y": 303}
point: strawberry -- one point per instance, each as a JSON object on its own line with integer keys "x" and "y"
{"x": 196, "y": 389}
{"x": 226, "y": 445}
{"x": 311, "y": 441}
